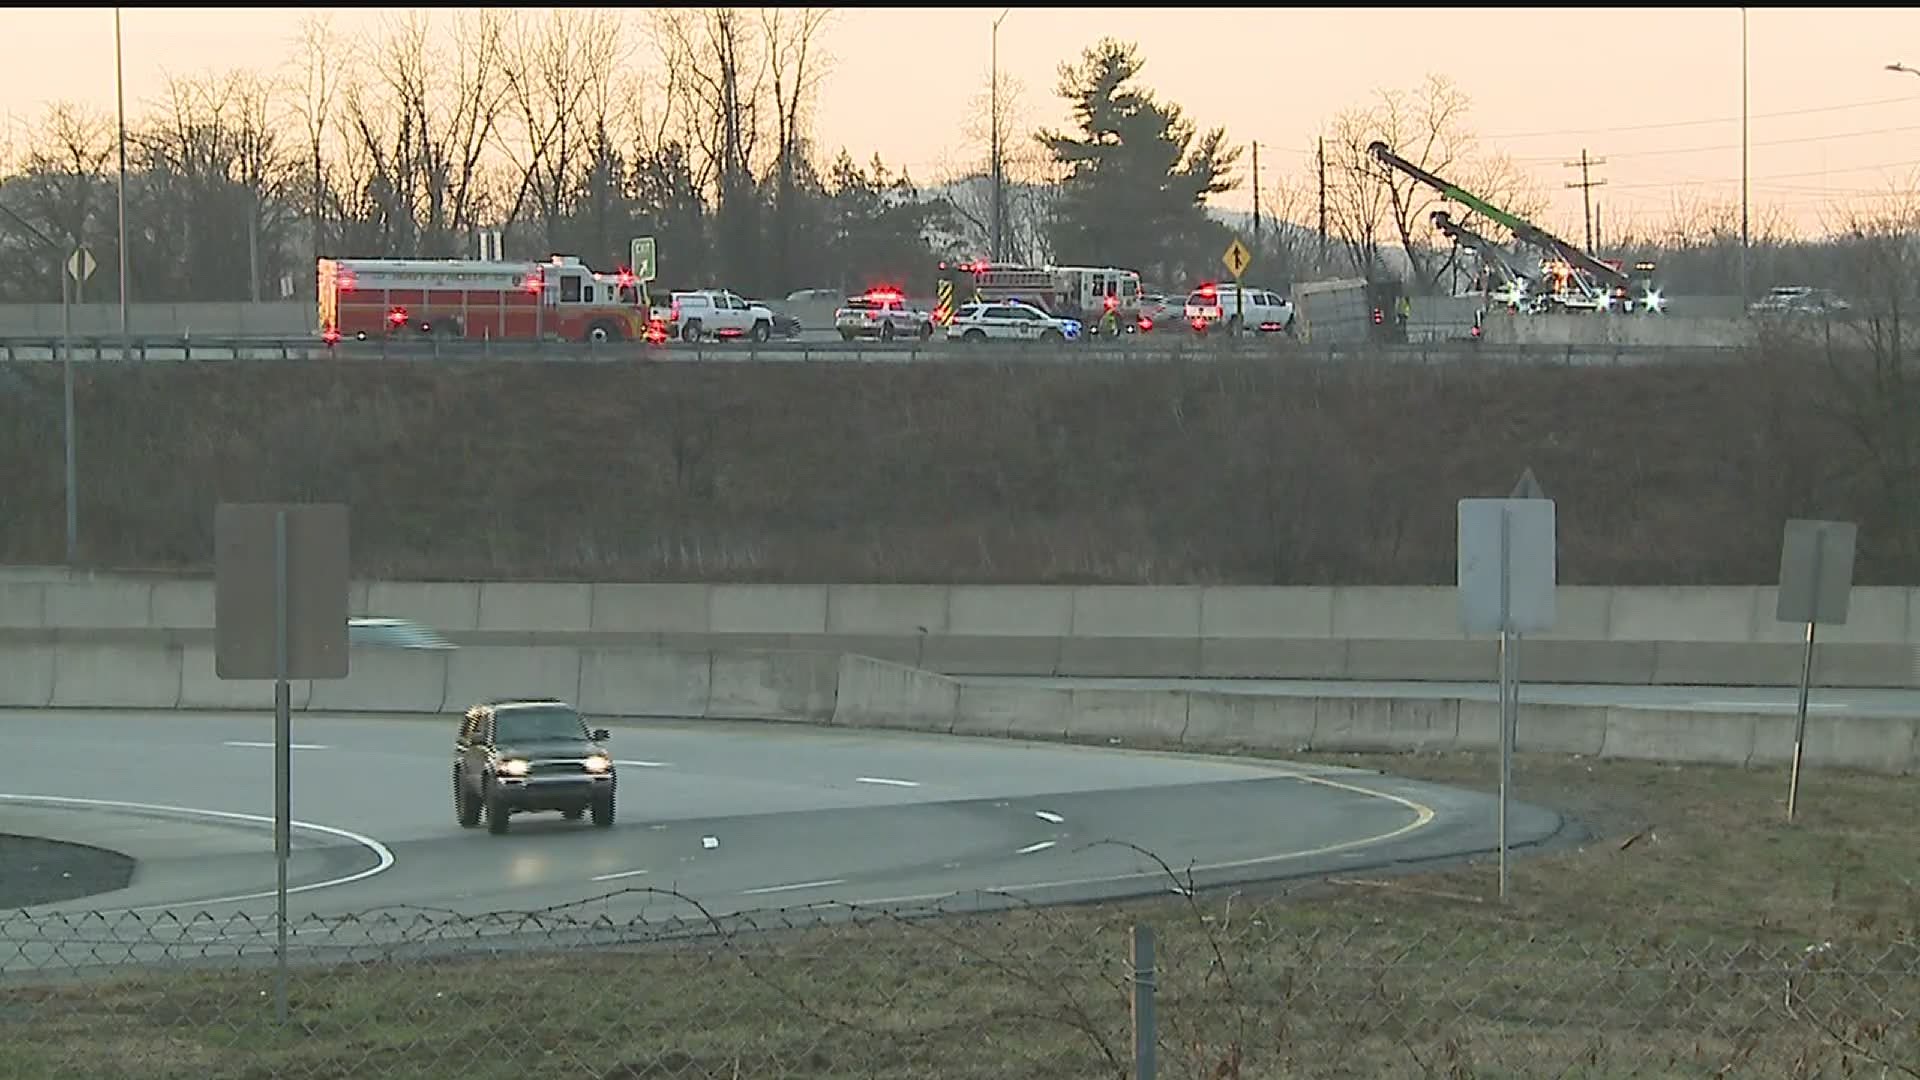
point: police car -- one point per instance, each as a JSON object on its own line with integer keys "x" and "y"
{"x": 1010, "y": 320}
{"x": 884, "y": 314}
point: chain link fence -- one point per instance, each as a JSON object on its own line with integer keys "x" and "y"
{"x": 646, "y": 984}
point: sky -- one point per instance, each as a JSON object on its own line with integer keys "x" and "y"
{"x": 1656, "y": 92}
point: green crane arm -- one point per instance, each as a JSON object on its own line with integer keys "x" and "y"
{"x": 1523, "y": 230}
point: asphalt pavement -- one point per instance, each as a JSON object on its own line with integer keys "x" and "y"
{"x": 738, "y": 816}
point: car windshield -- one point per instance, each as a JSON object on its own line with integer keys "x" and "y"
{"x": 537, "y": 725}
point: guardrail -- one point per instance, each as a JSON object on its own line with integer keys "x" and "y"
{"x": 1144, "y": 350}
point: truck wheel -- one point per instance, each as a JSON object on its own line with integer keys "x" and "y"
{"x": 496, "y": 815}
{"x": 1051, "y": 337}
{"x": 600, "y": 333}
{"x": 465, "y": 810}
{"x": 974, "y": 337}
{"x": 603, "y": 810}
{"x": 572, "y": 813}
{"x": 690, "y": 333}
{"x": 761, "y": 332}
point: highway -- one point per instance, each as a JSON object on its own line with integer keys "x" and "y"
{"x": 738, "y": 816}
{"x": 825, "y": 347}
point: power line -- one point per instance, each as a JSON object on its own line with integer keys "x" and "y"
{"x": 1700, "y": 182}
{"x": 1735, "y": 146}
{"x": 1908, "y": 100}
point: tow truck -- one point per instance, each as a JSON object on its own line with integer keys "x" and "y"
{"x": 1577, "y": 280}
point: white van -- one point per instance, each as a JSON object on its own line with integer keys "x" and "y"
{"x": 1260, "y": 310}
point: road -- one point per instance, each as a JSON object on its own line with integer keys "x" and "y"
{"x": 1864, "y": 703}
{"x": 738, "y": 816}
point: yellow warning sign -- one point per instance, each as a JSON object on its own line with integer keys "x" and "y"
{"x": 1237, "y": 258}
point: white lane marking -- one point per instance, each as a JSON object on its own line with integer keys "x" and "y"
{"x": 883, "y": 780}
{"x": 1767, "y": 705}
{"x": 709, "y": 842}
{"x": 269, "y": 746}
{"x": 1031, "y": 848}
{"x": 1422, "y": 817}
{"x": 645, "y": 764}
{"x": 618, "y": 876}
{"x": 1048, "y": 816}
{"x": 793, "y": 887}
{"x": 381, "y": 851}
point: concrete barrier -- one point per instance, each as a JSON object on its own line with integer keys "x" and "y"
{"x": 387, "y": 680}
{"x": 644, "y": 682}
{"x": 202, "y": 688}
{"x": 448, "y": 607}
{"x": 26, "y": 676}
{"x": 99, "y": 605}
{"x": 773, "y": 686}
{"x": 477, "y": 673}
{"x": 23, "y": 605}
{"x": 1158, "y": 716}
{"x": 872, "y": 693}
{"x": 117, "y": 676}
{"x": 652, "y": 609}
{"x": 1385, "y": 724}
{"x": 1249, "y": 721}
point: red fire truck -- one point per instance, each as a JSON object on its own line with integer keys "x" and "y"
{"x": 476, "y": 300}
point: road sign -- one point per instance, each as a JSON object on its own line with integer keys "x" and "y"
{"x": 1506, "y": 571}
{"x": 643, "y": 264}
{"x": 1237, "y": 258}
{"x": 248, "y": 579}
{"x": 80, "y": 264}
{"x": 1816, "y": 583}
{"x": 1816, "y": 572}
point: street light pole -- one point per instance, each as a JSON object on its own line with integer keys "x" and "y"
{"x": 999, "y": 198}
{"x": 120, "y": 99}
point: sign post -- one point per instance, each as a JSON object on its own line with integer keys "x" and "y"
{"x": 280, "y": 613}
{"x": 1816, "y": 584}
{"x": 1236, "y": 259}
{"x": 1506, "y": 579}
{"x": 642, "y": 257}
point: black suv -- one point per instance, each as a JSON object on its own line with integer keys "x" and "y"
{"x": 529, "y": 754}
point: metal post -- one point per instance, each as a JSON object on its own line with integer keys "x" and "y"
{"x": 1145, "y": 1042}
{"x": 1746, "y": 292}
{"x": 120, "y": 100}
{"x": 1806, "y": 682}
{"x": 66, "y": 378}
{"x": 282, "y": 760}
{"x": 1508, "y": 702}
{"x": 999, "y": 200}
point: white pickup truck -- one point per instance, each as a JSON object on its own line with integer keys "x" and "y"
{"x": 883, "y": 314}
{"x": 713, "y": 313}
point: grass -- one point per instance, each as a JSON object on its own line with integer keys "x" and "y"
{"x": 1256, "y": 473}
{"x": 1699, "y": 936}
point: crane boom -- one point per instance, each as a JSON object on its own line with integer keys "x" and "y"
{"x": 1490, "y": 254}
{"x": 1523, "y": 230}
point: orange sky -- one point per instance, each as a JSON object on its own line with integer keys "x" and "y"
{"x": 1655, "y": 91}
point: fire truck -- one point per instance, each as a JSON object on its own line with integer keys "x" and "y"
{"x": 560, "y": 299}
{"x": 1079, "y": 292}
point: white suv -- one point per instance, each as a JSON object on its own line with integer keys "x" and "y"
{"x": 1258, "y": 309}
{"x": 717, "y": 314}
{"x": 881, "y": 313}
{"x": 1010, "y": 320}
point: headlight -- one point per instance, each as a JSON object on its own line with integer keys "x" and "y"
{"x": 599, "y": 763}
{"x": 513, "y": 767}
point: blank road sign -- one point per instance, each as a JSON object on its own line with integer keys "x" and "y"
{"x": 1816, "y": 571}
{"x": 244, "y": 595}
{"x": 1530, "y": 565}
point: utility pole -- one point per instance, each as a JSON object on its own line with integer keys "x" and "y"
{"x": 1321, "y": 155}
{"x": 999, "y": 196}
{"x": 1746, "y": 291}
{"x": 1256, "y": 195}
{"x": 1586, "y": 184}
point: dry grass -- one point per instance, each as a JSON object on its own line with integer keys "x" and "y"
{"x": 1684, "y": 952}
{"x": 1174, "y": 473}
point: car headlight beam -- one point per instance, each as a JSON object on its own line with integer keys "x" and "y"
{"x": 514, "y": 767}
{"x": 599, "y": 763}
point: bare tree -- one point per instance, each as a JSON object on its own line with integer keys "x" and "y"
{"x": 551, "y": 62}
{"x": 795, "y": 66}
{"x": 722, "y": 99}
{"x": 314, "y": 87}
{"x": 1429, "y": 127}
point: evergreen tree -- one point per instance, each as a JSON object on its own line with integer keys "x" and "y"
{"x": 1137, "y": 181}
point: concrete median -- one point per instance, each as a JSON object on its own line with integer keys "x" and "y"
{"x": 1249, "y": 721}
{"x": 117, "y": 676}
{"x": 1158, "y": 716}
{"x": 26, "y": 676}
{"x": 1397, "y": 724}
{"x": 873, "y": 693}
{"x": 475, "y": 674}
{"x": 202, "y": 688}
{"x": 386, "y": 680}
